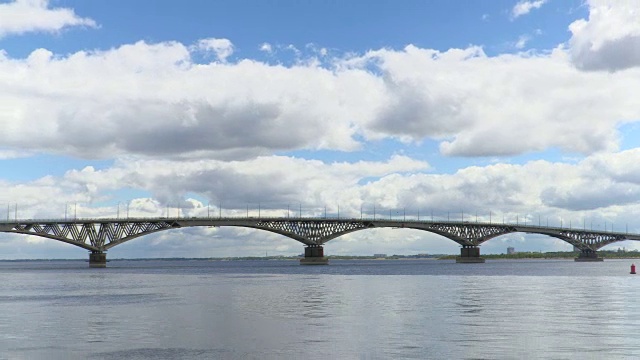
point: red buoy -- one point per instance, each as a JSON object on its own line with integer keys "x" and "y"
{"x": 633, "y": 268}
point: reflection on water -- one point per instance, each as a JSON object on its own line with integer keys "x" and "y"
{"x": 348, "y": 310}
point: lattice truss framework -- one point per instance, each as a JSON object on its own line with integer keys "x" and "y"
{"x": 593, "y": 240}
{"x": 91, "y": 235}
{"x": 100, "y": 236}
{"x": 316, "y": 232}
{"x": 470, "y": 234}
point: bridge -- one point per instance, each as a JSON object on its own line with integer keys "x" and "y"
{"x": 100, "y": 235}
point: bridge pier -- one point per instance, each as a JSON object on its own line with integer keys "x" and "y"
{"x": 314, "y": 255}
{"x": 98, "y": 259}
{"x": 588, "y": 255}
{"x": 469, "y": 255}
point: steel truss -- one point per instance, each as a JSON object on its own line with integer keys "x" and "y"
{"x": 94, "y": 236}
{"x": 101, "y": 235}
{"x": 313, "y": 232}
{"x": 469, "y": 234}
{"x": 590, "y": 240}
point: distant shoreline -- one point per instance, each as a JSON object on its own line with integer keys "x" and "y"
{"x": 517, "y": 256}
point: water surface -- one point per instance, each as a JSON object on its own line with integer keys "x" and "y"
{"x": 395, "y": 309}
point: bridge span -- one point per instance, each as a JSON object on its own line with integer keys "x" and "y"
{"x": 100, "y": 235}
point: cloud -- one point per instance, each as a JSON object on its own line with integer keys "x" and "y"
{"x": 266, "y": 47}
{"x": 502, "y": 105}
{"x": 609, "y": 39}
{"x": 522, "y": 41}
{"x": 154, "y": 100}
{"x": 151, "y": 98}
{"x": 223, "y": 48}
{"x": 524, "y": 7}
{"x": 22, "y": 16}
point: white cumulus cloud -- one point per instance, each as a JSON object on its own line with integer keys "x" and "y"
{"x": 524, "y": 7}
{"x": 222, "y": 48}
{"x": 22, "y": 16}
{"x": 609, "y": 39}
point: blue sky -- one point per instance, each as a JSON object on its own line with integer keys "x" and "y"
{"x": 515, "y": 108}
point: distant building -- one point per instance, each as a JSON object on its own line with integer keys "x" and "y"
{"x": 379, "y": 255}
{"x": 511, "y": 250}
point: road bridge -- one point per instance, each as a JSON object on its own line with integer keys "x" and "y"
{"x": 100, "y": 235}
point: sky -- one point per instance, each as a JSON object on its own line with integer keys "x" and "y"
{"x": 500, "y": 110}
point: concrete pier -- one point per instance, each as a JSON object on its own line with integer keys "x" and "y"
{"x": 588, "y": 256}
{"x": 470, "y": 255}
{"x": 98, "y": 260}
{"x": 314, "y": 255}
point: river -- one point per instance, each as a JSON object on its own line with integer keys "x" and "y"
{"x": 360, "y": 309}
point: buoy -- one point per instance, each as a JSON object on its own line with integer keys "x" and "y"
{"x": 633, "y": 268}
